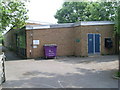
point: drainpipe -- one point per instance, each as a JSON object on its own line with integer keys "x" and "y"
{"x": 31, "y": 45}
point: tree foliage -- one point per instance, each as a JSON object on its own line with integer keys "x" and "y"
{"x": 13, "y": 14}
{"x": 118, "y": 20}
{"x": 86, "y": 11}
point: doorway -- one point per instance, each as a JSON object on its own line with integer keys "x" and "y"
{"x": 94, "y": 43}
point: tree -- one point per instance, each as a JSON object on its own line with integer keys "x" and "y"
{"x": 13, "y": 14}
{"x": 117, "y": 35}
{"x": 118, "y": 20}
{"x": 86, "y": 11}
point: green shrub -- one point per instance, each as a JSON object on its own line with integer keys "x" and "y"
{"x": 117, "y": 74}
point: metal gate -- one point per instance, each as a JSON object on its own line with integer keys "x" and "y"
{"x": 2, "y": 68}
{"x": 21, "y": 42}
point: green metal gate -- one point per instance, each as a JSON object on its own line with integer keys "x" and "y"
{"x": 21, "y": 42}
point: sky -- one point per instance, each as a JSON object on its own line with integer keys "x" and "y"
{"x": 43, "y": 10}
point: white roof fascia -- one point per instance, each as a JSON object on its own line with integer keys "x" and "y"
{"x": 85, "y": 23}
{"x": 37, "y": 26}
{"x": 65, "y": 25}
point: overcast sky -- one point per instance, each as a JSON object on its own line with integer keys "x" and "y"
{"x": 43, "y": 10}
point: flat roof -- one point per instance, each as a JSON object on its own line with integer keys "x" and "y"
{"x": 64, "y": 25}
{"x": 96, "y": 22}
{"x": 37, "y": 22}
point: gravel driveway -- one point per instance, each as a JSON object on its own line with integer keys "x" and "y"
{"x": 63, "y": 72}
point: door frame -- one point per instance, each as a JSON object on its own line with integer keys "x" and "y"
{"x": 94, "y": 43}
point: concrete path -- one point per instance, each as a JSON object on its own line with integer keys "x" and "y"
{"x": 64, "y": 72}
{"x": 10, "y": 56}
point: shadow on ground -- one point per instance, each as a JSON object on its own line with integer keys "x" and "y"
{"x": 10, "y": 55}
{"x": 79, "y": 78}
{"x": 83, "y": 79}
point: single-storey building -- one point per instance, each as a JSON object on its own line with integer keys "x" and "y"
{"x": 78, "y": 39}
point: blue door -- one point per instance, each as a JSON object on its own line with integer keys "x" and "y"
{"x": 90, "y": 44}
{"x": 97, "y": 43}
{"x": 93, "y": 43}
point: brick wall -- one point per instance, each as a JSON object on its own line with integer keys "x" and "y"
{"x": 70, "y": 41}
{"x": 104, "y": 30}
{"x": 63, "y": 37}
{"x": 9, "y": 39}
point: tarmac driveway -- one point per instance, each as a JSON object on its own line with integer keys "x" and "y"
{"x": 64, "y": 72}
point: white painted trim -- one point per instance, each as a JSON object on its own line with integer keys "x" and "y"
{"x": 94, "y": 43}
{"x": 100, "y": 43}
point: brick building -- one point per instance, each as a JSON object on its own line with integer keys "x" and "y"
{"x": 78, "y": 39}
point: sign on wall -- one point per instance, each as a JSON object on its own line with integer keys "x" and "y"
{"x": 77, "y": 40}
{"x": 36, "y": 42}
{"x": 34, "y": 46}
